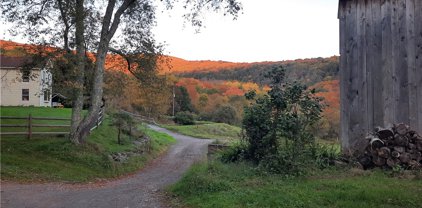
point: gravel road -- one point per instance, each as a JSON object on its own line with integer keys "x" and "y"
{"x": 143, "y": 189}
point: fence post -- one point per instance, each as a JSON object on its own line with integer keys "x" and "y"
{"x": 30, "y": 126}
{"x": 100, "y": 113}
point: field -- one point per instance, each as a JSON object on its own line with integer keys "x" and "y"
{"x": 241, "y": 185}
{"x": 49, "y": 158}
{"x": 221, "y": 132}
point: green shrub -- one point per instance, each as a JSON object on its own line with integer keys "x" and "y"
{"x": 234, "y": 153}
{"x": 277, "y": 129}
{"x": 225, "y": 114}
{"x": 124, "y": 123}
{"x": 184, "y": 118}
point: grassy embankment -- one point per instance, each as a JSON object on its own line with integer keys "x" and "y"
{"x": 50, "y": 158}
{"x": 223, "y": 133}
{"x": 240, "y": 185}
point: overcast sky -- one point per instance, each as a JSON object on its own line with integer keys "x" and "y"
{"x": 267, "y": 30}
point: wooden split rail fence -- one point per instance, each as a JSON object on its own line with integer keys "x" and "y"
{"x": 31, "y": 125}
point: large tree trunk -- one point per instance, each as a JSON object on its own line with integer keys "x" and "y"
{"x": 79, "y": 71}
{"x": 96, "y": 96}
{"x": 109, "y": 26}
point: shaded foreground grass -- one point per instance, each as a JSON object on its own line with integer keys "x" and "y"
{"x": 240, "y": 185}
{"x": 220, "y": 131}
{"x": 49, "y": 158}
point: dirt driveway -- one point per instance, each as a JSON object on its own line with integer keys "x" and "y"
{"x": 143, "y": 189}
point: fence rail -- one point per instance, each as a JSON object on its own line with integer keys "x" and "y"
{"x": 29, "y": 125}
{"x": 34, "y": 118}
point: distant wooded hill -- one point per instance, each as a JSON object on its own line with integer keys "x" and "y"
{"x": 308, "y": 71}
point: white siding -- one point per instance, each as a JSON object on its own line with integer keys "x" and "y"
{"x": 12, "y": 85}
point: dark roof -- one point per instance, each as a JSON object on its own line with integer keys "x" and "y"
{"x": 58, "y": 95}
{"x": 13, "y": 62}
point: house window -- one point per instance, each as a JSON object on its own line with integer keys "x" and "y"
{"x": 46, "y": 95}
{"x": 25, "y": 94}
{"x": 25, "y": 75}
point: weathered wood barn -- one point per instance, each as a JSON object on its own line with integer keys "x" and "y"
{"x": 380, "y": 66}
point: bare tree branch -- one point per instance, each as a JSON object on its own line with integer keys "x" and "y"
{"x": 107, "y": 19}
{"x": 117, "y": 15}
{"x": 128, "y": 60}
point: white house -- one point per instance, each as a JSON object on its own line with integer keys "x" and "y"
{"x": 24, "y": 86}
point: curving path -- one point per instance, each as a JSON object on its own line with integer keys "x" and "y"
{"x": 144, "y": 189}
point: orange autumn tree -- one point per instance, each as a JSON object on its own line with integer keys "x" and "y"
{"x": 330, "y": 123}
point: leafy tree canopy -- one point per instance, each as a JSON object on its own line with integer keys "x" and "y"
{"x": 121, "y": 26}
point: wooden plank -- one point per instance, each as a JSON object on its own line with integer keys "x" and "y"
{"x": 13, "y": 133}
{"x": 376, "y": 64}
{"x": 49, "y": 125}
{"x": 395, "y": 40}
{"x": 51, "y": 118}
{"x": 30, "y": 126}
{"x": 387, "y": 63}
{"x": 342, "y": 64}
{"x": 411, "y": 62}
{"x": 361, "y": 87}
{"x": 401, "y": 85}
{"x": 34, "y": 118}
{"x": 354, "y": 90}
{"x": 50, "y": 133}
{"x": 345, "y": 36}
{"x": 13, "y": 117}
{"x": 34, "y": 133}
{"x": 418, "y": 59}
{"x": 14, "y": 125}
{"x": 369, "y": 65}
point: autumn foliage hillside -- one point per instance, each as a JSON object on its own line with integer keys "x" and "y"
{"x": 179, "y": 65}
{"x": 167, "y": 64}
{"x": 214, "y": 84}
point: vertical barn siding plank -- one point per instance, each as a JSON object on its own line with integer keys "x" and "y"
{"x": 412, "y": 73}
{"x": 395, "y": 40}
{"x": 354, "y": 80}
{"x": 346, "y": 85}
{"x": 361, "y": 72}
{"x": 418, "y": 59}
{"x": 344, "y": 106}
{"x": 369, "y": 46}
{"x": 387, "y": 93}
{"x": 400, "y": 64}
{"x": 376, "y": 63}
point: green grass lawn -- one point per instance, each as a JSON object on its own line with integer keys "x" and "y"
{"x": 222, "y": 132}
{"x": 240, "y": 185}
{"x": 35, "y": 112}
{"x": 49, "y": 158}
